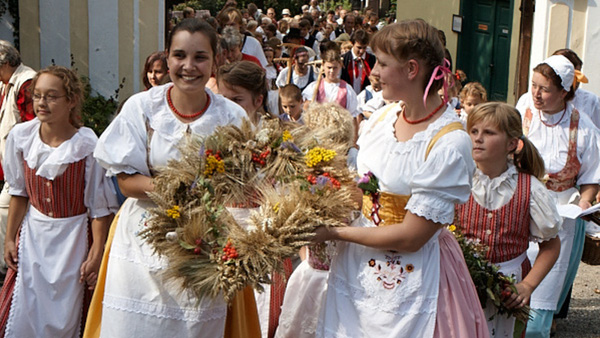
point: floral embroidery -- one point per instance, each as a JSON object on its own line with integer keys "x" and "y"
{"x": 390, "y": 274}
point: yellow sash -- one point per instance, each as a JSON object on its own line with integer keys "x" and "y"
{"x": 94, "y": 318}
{"x": 392, "y": 207}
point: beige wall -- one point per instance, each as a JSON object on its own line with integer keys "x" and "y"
{"x": 29, "y": 32}
{"x": 439, "y": 14}
{"x": 79, "y": 35}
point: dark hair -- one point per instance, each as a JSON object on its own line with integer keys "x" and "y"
{"x": 156, "y": 56}
{"x": 193, "y": 26}
{"x": 360, "y": 36}
{"x": 508, "y": 120}
{"x": 245, "y": 74}
{"x": 412, "y": 39}
{"x": 291, "y": 91}
{"x": 571, "y": 55}
{"x": 327, "y": 44}
{"x": 72, "y": 86}
{"x": 549, "y": 73}
{"x": 304, "y": 24}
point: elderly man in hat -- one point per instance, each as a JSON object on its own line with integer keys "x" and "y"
{"x": 15, "y": 106}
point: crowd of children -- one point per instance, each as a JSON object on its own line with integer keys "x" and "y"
{"x": 442, "y": 155}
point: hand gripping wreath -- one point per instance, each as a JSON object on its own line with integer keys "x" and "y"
{"x": 295, "y": 177}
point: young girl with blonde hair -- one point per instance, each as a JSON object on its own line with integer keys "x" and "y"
{"x": 56, "y": 186}
{"x": 509, "y": 206}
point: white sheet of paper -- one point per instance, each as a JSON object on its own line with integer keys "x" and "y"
{"x": 574, "y": 211}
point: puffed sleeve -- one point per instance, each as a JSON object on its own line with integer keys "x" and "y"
{"x": 443, "y": 180}
{"x": 14, "y": 173}
{"x": 100, "y": 194}
{"x": 590, "y": 152}
{"x": 122, "y": 148}
{"x": 545, "y": 220}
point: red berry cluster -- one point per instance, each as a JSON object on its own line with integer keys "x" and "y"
{"x": 260, "y": 158}
{"x": 198, "y": 249}
{"x": 229, "y": 252}
{"x": 313, "y": 180}
{"x": 217, "y": 155}
{"x": 505, "y": 292}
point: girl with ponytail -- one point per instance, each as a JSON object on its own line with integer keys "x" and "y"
{"x": 509, "y": 206}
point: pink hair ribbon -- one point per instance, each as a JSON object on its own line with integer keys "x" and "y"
{"x": 439, "y": 73}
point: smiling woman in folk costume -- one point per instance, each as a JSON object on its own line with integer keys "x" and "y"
{"x": 136, "y": 299}
{"x": 56, "y": 186}
{"x": 398, "y": 271}
{"x": 570, "y": 146}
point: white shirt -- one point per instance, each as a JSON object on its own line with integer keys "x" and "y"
{"x": 254, "y": 48}
{"x": 25, "y": 144}
{"x": 553, "y": 143}
{"x": 331, "y": 93}
{"x": 374, "y": 103}
{"x": 588, "y": 103}
{"x": 494, "y": 193}
{"x": 300, "y": 81}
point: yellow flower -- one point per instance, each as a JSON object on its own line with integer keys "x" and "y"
{"x": 213, "y": 164}
{"x": 317, "y": 155}
{"x": 276, "y": 207}
{"x": 174, "y": 212}
{"x": 286, "y": 136}
{"x": 452, "y": 227}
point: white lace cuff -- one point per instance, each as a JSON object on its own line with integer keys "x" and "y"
{"x": 431, "y": 207}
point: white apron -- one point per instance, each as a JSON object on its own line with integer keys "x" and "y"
{"x": 546, "y": 295}
{"x": 48, "y": 297}
{"x": 504, "y": 325}
{"x": 375, "y": 293}
{"x": 139, "y": 301}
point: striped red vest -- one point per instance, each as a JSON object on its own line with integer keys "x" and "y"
{"x": 61, "y": 197}
{"x": 505, "y": 231}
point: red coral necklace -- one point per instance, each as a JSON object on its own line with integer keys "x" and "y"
{"x": 186, "y": 116}
{"x": 550, "y": 125}
{"x": 425, "y": 118}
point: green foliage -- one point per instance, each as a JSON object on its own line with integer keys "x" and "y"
{"x": 195, "y": 4}
{"x": 330, "y": 5}
{"x": 98, "y": 111}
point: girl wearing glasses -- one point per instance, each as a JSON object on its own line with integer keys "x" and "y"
{"x": 55, "y": 187}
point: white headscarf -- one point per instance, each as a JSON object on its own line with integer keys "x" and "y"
{"x": 563, "y": 68}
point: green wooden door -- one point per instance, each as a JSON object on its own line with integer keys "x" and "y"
{"x": 484, "y": 44}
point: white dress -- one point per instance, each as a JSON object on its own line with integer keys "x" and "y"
{"x": 552, "y": 143}
{"x": 48, "y": 298}
{"x": 375, "y": 293}
{"x": 305, "y": 296}
{"x": 331, "y": 93}
{"x": 545, "y": 224}
{"x": 138, "y": 301}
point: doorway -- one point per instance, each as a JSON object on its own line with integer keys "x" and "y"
{"x": 484, "y": 44}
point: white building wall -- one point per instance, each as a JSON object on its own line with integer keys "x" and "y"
{"x": 104, "y": 45}
{"x": 6, "y": 28}
{"x": 541, "y": 34}
{"x": 55, "y": 34}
